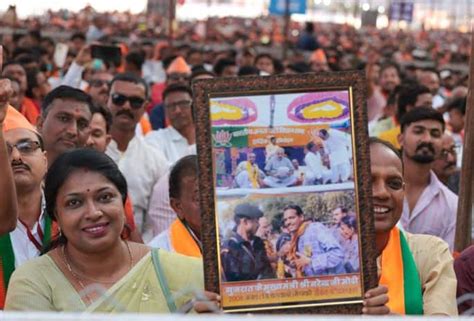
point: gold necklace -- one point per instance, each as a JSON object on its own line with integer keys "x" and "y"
{"x": 77, "y": 277}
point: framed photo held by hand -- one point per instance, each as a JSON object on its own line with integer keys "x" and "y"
{"x": 285, "y": 192}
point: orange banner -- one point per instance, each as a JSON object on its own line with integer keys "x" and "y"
{"x": 285, "y": 135}
{"x": 267, "y": 292}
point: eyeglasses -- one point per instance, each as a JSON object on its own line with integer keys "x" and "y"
{"x": 120, "y": 100}
{"x": 453, "y": 151}
{"x": 26, "y": 147}
{"x": 98, "y": 83}
{"x": 183, "y": 104}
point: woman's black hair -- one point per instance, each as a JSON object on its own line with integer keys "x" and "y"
{"x": 71, "y": 161}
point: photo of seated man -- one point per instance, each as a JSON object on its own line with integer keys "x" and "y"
{"x": 316, "y": 171}
{"x": 248, "y": 174}
{"x": 280, "y": 171}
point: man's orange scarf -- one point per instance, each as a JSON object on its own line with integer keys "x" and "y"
{"x": 294, "y": 246}
{"x": 182, "y": 241}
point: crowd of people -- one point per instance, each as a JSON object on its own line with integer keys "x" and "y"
{"x": 98, "y": 158}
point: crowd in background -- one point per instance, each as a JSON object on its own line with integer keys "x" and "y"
{"x": 138, "y": 111}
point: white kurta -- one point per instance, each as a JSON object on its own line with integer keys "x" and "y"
{"x": 142, "y": 165}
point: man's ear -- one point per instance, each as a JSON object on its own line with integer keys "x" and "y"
{"x": 400, "y": 139}
{"x": 39, "y": 123}
{"x": 176, "y": 206}
{"x": 45, "y": 156}
{"x": 108, "y": 138}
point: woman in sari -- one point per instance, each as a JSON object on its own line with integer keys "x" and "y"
{"x": 90, "y": 267}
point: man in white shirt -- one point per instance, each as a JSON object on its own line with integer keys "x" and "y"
{"x": 141, "y": 164}
{"x": 316, "y": 172}
{"x": 176, "y": 140}
{"x": 337, "y": 145}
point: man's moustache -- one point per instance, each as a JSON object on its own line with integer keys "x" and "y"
{"x": 21, "y": 165}
{"x": 125, "y": 112}
{"x": 427, "y": 145}
{"x": 450, "y": 165}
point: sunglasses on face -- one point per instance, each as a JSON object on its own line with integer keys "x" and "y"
{"x": 26, "y": 147}
{"x": 120, "y": 100}
{"x": 99, "y": 83}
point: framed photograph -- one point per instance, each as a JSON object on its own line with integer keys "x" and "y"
{"x": 285, "y": 192}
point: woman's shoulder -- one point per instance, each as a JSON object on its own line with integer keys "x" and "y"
{"x": 41, "y": 265}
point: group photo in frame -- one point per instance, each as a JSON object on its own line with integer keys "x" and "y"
{"x": 284, "y": 188}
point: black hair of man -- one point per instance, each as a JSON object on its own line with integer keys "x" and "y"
{"x": 297, "y": 208}
{"x": 177, "y": 88}
{"x": 26, "y": 59}
{"x": 192, "y": 51}
{"x": 65, "y": 92}
{"x": 48, "y": 40}
{"x": 185, "y": 167}
{"x": 222, "y": 64}
{"x": 134, "y": 79}
{"x": 299, "y": 67}
{"x": 248, "y": 71}
{"x": 458, "y": 103}
{"x": 324, "y": 132}
{"x": 35, "y": 34}
{"x": 32, "y": 80}
{"x": 19, "y": 51}
{"x": 136, "y": 59}
{"x": 79, "y": 36}
{"x": 419, "y": 114}
{"x": 310, "y": 146}
{"x": 309, "y": 27}
{"x": 407, "y": 97}
{"x": 105, "y": 112}
{"x": 199, "y": 70}
{"x": 263, "y": 55}
{"x": 168, "y": 60}
{"x": 11, "y": 63}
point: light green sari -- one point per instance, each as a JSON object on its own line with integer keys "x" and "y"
{"x": 42, "y": 286}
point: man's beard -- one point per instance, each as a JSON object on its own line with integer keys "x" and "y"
{"x": 423, "y": 159}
